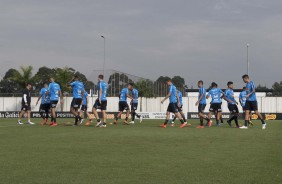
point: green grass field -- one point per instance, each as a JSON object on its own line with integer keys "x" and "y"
{"x": 140, "y": 153}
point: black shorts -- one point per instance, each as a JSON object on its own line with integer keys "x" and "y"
{"x": 244, "y": 108}
{"x": 44, "y": 107}
{"x": 54, "y": 103}
{"x": 251, "y": 105}
{"x": 201, "y": 108}
{"x": 26, "y": 107}
{"x": 76, "y": 103}
{"x": 83, "y": 108}
{"x": 134, "y": 106}
{"x": 102, "y": 106}
{"x": 233, "y": 108}
{"x": 215, "y": 107}
{"x": 123, "y": 106}
{"x": 173, "y": 108}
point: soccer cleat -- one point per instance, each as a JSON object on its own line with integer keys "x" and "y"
{"x": 30, "y": 123}
{"x": 229, "y": 123}
{"x": 140, "y": 119}
{"x": 125, "y": 123}
{"x": 20, "y": 123}
{"x": 54, "y": 124}
{"x": 264, "y": 126}
{"x": 210, "y": 123}
{"x": 200, "y": 126}
{"x": 81, "y": 121}
{"x": 103, "y": 126}
{"x": 87, "y": 123}
{"x": 243, "y": 127}
{"x": 51, "y": 123}
{"x": 163, "y": 125}
{"x": 131, "y": 122}
{"x": 99, "y": 123}
{"x": 182, "y": 125}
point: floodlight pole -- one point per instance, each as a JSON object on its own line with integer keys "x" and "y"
{"x": 248, "y": 63}
{"x": 104, "y": 54}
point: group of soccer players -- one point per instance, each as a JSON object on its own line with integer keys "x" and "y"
{"x": 51, "y": 93}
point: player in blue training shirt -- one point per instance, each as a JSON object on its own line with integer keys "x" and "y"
{"x": 45, "y": 105}
{"x": 84, "y": 107}
{"x": 54, "y": 91}
{"x": 201, "y": 103}
{"x": 215, "y": 93}
{"x": 100, "y": 103}
{"x": 78, "y": 93}
{"x": 134, "y": 104}
{"x": 174, "y": 103}
{"x": 180, "y": 108}
{"x": 242, "y": 100}
{"x": 251, "y": 103}
{"x": 232, "y": 104}
{"x": 123, "y": 105}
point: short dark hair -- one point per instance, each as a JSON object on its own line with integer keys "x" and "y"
{"x": 213, "y": 84}
{"x": 229, "y": 83}
{"x": 76, "y": 77}
{"x": 245, "y": 76}
{"x": 200, "y": 81}
{"x": 168, "y": 80}
{"x": 101, "y": 76}
{"x": 28, "y": 84}
{"x": 131, "y": 84}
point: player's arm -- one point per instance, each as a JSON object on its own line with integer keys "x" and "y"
{"x": 178, "y": 100}
{"x": 167, "y": 96}
{"x": 87, "y": 100}
{"x": 61, "y": 97}
{"x": 82, "y": 95}
{"x": 201, "y": 97}
{"x": 69, "y": 83}
{"x": 100, "y": 93}
{"x": 130, "y": 97}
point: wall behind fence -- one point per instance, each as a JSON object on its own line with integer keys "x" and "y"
{"x": 265, "y": 104}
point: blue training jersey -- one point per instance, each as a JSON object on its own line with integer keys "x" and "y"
{"x": 123, "y": 95}
{"x": 180, "y": 97}
{"x": 135, "y": 96}
{"x": 172, "y": 90}
{"x": 84, "y": 101}
{"x": 45, "y": 99}
{"x": 242, "y": 98}
{"x": 202, "y": 91}
{"x": 215, "y": 94}
{"x": 229, "y": 94}
{"x": 102, "y": 85}
{"x": 54, "y": 91}
{"x": 251, "y": 87}
{"x": 77, "y": 89}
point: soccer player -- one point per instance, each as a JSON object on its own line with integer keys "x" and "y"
{"x": 100, "y": 103}
{"x": 215, "y": 107}
{"x": 232, "y": 104}
{"x": 173, "y": 103}
{"x": 123, "y": 105}
{"x": 45, "y": 105}
{"x": 242, "y": 100}
{"x": 54, "y": 91}
{"x": 78, "y": 93}
{"x": 134, "y": 104}
{"x": 26, "y": 108}
{"x": 84, "y": 107}
{"x": 201, "y": 103}
{"x": 180, "y": 110}
{"x": 251, "y": 103}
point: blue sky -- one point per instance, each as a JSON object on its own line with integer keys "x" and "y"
{"x": 196, "y": 39}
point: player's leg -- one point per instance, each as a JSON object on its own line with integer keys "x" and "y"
{"x": 53, "y": 113}
{"x": 211, "y": 110}
{"x": 104, "y": 113}
{"x": 167, "y": 117}
{"x": 247, "y": 113}
{"x": 218, "y": 117}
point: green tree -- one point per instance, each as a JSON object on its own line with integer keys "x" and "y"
{"x": 23, "y": 76}
{"x": 277, "y": 88}
{"x": 178, "y": 81}
{"x": 116, "y": 82}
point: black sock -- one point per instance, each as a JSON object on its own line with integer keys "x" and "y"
{"x": 138, "y": 116}
{"x": 116, "y": 118}
{"x": 104, "y": 123}
{"x": 98, "y": 120}
{"x": 201, "y": 122}
{"x": 231, "y": 119}
{"x": 207, "y": 119}
{"x": 236, "y": 121}
{"x": 133, "y": 116}
{"x": 126, "y": 118}
{"x": 52, "y": 119}
{"x": 174, "y": 118}
{"x": 166, "y": 121}
{"x": 183, "y": 116}
{"x": 246, "y": 123}
{"x": 262, "y": 121}
{"x": 182, "y": 121}
{"x": 55, "y": 120}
